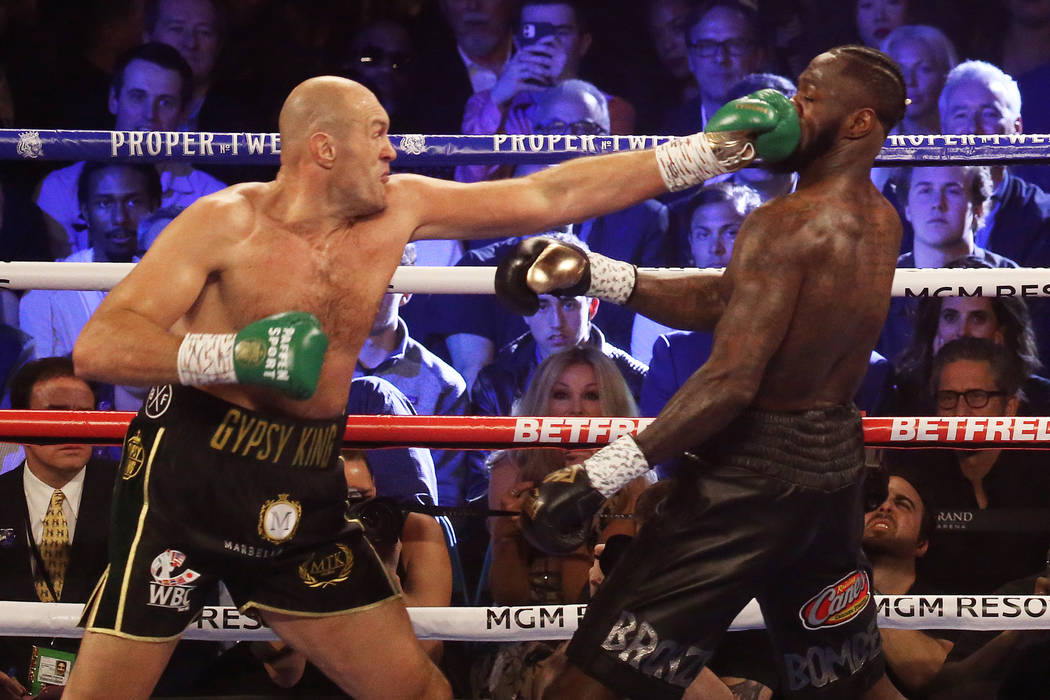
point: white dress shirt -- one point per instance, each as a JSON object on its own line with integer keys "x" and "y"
{"x": 38, "y": 498}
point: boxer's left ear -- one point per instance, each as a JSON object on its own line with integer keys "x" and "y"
{"x": 860, "y": 123}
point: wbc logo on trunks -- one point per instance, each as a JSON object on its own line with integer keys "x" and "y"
{"x": 169, "y": 587}
{"x": 838, "y": 603}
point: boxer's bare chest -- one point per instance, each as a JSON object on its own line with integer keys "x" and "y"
{"x": 339, "y": 276}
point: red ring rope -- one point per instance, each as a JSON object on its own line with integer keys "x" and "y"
{"x": 486, "y": 432}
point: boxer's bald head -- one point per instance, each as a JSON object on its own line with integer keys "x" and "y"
{"x": 326, "y": 104}
{"x": 335, "y": 129}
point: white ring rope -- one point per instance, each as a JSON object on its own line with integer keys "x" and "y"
{"x": 908, "y": 282}
{"x": 520, "y": 623}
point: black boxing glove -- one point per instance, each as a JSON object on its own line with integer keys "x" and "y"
{"x": 557, "y": 515}
{"x": 541, "y": 265}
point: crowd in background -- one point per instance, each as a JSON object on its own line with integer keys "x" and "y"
{"x": 955, "y": 522}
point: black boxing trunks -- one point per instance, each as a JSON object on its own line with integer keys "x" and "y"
{"x": 769, "y": 509}
{"x": 209, "y": 491}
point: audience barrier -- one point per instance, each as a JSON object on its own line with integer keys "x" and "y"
{"x": 553, "y": 622}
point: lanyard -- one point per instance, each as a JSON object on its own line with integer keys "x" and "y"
{"x": 41, "y": 568}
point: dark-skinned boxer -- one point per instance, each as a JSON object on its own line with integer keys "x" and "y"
{"x": 770, "y": 499}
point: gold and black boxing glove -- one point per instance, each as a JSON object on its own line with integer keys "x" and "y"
{"x": 557, "y": 515}
{"x": 541, "y": 265}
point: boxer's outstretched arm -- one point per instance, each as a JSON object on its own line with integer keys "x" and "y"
{"x": 573, "y": 191}
{"x": 128, "y": 339}
{"x": 765, "y": 277}
{"x": 685, "y": 300}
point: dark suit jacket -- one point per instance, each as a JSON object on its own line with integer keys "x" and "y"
{"x": 86, "y": 562}
{"x": 677, "y": 355}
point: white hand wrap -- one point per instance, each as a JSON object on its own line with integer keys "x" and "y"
{"x": 611, "y": 280}
{"x": 207, "y": 358}
{"x": 690, "y": 160}
{"x": 612, "y": 467}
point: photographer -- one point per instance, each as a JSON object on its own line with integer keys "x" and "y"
{"x": 411, "y": 545}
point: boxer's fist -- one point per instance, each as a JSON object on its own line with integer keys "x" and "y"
{"x": 769, "y": 116}
{"x": 284, "y": 352}
{"x": 541, "y": 265}
{"x": 557, "y": 515}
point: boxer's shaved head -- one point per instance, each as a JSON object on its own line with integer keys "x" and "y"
{"x": 327, "y": 104}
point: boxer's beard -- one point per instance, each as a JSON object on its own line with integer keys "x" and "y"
{"x": 806, "y": 155}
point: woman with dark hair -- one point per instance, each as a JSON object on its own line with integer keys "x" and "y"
{"x": 939, "y": 320}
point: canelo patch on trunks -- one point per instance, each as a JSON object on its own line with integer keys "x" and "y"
{"x": 251, "y": 436}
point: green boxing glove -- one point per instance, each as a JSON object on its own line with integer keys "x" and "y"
{"x": 283, "y": 352}
{"x": 767, "y": 114}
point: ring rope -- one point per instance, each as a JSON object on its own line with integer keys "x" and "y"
{"x": 1026, "y": 282}
{"x": 430, "y": 149}
{"x": 556, "y": 622}
{"x": 499, "y": 432}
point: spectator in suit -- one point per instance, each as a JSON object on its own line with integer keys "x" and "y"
{"x": 979, "y": 98}
{"x": 725, "y": 44}
{"x": 54, "y": 509}
{"x": 195, "y": 28}
{"x": 463, "y": 50}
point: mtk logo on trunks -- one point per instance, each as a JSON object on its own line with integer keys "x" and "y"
{"x": 637, "y": 644}
{"x": 279, "y": 519}
{"x": 327, "y": 570}
{"x": 818, "y": 666}
{"x": 838, "y": 603}
{"x": 267, "y": 440}
{"x": 158, "y": 401}
{"x": 134, "y": 456}
{"x": 169, "y": 587}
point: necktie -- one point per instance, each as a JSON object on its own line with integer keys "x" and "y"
{"x": 54, "y": 548}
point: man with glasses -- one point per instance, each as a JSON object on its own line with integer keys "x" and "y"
{"x": 993, "y": 504}
{"x": 723, "y": 45}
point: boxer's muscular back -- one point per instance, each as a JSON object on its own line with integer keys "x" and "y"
{"x": 844, "y": 242}
{"x": 339, "y": 276}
